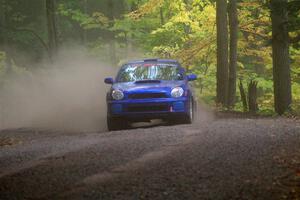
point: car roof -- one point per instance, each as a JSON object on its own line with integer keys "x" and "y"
{"x": 154, "y": 60}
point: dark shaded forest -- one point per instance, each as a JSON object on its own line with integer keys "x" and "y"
{"x": 246, "y": 53}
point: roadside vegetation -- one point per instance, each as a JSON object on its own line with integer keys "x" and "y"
{"x": 228, "y": 44}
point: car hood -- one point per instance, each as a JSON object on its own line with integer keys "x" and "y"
{"x": 148, "y": 87}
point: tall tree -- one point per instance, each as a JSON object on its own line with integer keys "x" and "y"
{"x": 233, "y": 27}
{"x": 3, "y": 24}
{"x": 161, "y": 13}
{"x": 86, "y": 13}
{"x": 222, "y": 52}
{"x": 111, "y": 34}
{"x": 281, "y": 59}
{"x": 4, "y": 41}
{"x": 51, "y": 25}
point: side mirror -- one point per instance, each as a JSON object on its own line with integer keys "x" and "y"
{"x": 191, "y": 77}
{"x": 109, "y": 80}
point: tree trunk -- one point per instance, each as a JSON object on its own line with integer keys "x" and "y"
{"x": 4, "y": 38}
{"x": 2, "y": 21}
{"x": 252, "y": 97}
{"x": 112, "y": 45}
{"x": 52, "y": 29}
{"x": 84, "y": 30}
{"x": 281, "y": 60}
{"x": 3, "y": 32}
{"x": 233, "y": 26}
{"x": 222, "y": 52}
{"x": 243, "y": 96}
{"x": 161, "y": 12}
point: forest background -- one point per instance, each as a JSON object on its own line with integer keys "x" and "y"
{"x": 34, "y": 32}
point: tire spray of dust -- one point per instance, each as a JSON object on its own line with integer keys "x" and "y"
{"x": 67, "y": 95}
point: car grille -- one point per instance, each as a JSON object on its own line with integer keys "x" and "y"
{"x": 147, "y": 96}
{"x": 150, "y": 108}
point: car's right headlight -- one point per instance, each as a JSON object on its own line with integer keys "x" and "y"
{"x": 177, "y": 92}
{"x": 117, "y": 94}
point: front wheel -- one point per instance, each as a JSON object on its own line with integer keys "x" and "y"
{"x": 189, "y": 117}
{"x": 115, "y": 124}
{"x": 186, "y": 118}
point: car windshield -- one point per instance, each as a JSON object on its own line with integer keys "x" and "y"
{"x": 147, "y": 71}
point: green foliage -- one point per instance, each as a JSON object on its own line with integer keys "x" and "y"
{"x": 2, "y": 64}
{"x": 97, "y": 20}
{"x": 179, "y": 29}
{"x": 7, "y": 72}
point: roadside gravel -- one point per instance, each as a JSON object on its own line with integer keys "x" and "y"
{"x": 212, "y": 159}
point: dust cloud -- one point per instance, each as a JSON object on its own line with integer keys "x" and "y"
{"x": 204, "y": 113}
{"x": 67, "y": 95}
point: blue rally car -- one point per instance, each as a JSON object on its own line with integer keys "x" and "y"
{"x": 150, "y": 89}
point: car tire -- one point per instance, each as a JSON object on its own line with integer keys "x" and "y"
{"x": 189, "y": 117}
{"x": 115, "y": 124}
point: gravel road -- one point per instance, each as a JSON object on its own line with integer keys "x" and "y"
{"x": 224, "y": 158}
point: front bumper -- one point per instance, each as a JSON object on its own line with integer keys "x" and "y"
{"x": 148, "y": 108}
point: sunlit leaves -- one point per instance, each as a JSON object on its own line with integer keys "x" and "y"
{"x": 186, "y": 30}
{"x": 145, "y": 9}
{"x": 96, "y": 20}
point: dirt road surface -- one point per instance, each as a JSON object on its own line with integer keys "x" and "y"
{"x": 212, "y": 159}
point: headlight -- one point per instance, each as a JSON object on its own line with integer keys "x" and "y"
{"x": 117, "y": 94}
{"x": 177, "y": 92}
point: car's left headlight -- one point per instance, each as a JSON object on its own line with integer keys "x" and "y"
{"x": 117, "y": 95}
{"x": 177, "y": 92}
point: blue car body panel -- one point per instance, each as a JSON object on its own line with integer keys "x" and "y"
{"x": 150, "y": 100}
